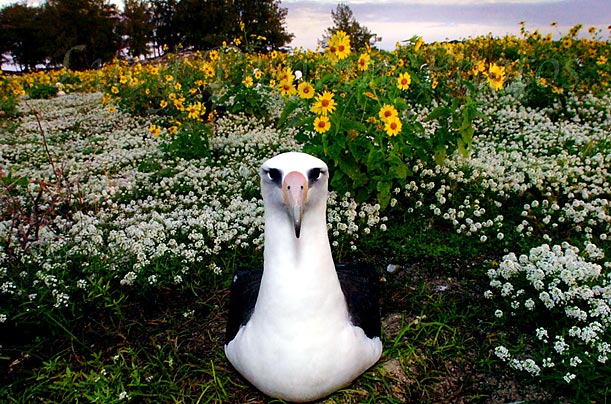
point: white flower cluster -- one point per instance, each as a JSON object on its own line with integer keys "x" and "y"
{"x": 346, "y": 220}
{"x": 519, "y": 153}
{"x": 143, "y": 218}
{"x": 568, "y": 296}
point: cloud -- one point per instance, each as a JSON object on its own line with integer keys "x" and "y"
{"x": 426, "y": 2}
{"x": 440, "y": 20}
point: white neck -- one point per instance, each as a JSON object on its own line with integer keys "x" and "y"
{"x": 287, "y": 253}
{"x": 299, "y": 270}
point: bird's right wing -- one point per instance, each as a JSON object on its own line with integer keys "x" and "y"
{"x": 244, "y": 293}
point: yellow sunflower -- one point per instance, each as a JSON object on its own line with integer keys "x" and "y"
{"x": 403, "y": 81}
{"x": 322, "y": 124}
{"x": 363, "y": 62}
{"x": 155, "y": 130}
{"x": 496, "y": 76}
{"x": 388, "y": 112}
{"x": 195, "y": 110}
{"x": 325, "y": 104}
{"x": 393, "y": 126}
{"x": 287, "y": 88}
{"x": 305, "y": 90}
{"x": 339, "y": 45}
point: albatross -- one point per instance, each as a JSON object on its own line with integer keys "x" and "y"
{"x": 301, "y": 328}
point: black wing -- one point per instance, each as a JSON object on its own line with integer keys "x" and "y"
{"x": 244, "y": 293}
{"x": 361, "y": 286}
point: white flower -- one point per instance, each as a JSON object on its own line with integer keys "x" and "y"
{"x": 541, "y": 334}
{"x": 560, "y": 346}
{"x": 568, "y": 377}
{"x": 502, "y": 352}
{"x": 575, "y": 361}
{"x": 129, "y": 278}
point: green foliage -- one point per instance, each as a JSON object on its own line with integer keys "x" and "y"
{"x": 189, "y": 142}
{"x": 368, "y": 158}
{"x": 8, "y": 107}
{"x": 42, "y": 91}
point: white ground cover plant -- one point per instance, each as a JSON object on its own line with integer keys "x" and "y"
{"x": 535, "y": 179}
{"x": 563, "y": 297}
{"x": 555, "y": 171}
{"x": 133, "y": 216}
{"x": 536, "y": 188}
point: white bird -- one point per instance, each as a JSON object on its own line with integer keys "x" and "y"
{"x": 301, "y": 329}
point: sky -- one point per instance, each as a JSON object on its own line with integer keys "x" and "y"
{"x": 439, "y": 20}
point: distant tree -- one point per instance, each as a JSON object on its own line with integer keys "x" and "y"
{"x": 136, "y": 27}
{"x": 264, "y": 22}
{"x": 206, "y": 24}
{"x": 165, "y": 29}
{"x": 23, "y": 35}
{"x": 84, "y": 32}
{"x": 343, "y": 20}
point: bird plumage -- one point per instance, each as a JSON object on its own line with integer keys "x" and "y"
{"x": 295, "y": 331}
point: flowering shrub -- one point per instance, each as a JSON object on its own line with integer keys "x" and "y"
{"x": 561, "y": 301}
{"x": 359, "y": 111}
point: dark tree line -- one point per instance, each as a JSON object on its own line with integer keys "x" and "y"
{"x": 82, "y": 34}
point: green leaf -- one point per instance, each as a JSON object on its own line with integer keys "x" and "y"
{"x": 383, "y": 187}
{"x": 353, "y": 170}
{"x": 289, "y": 108}
{"x": 375, "y": 159}
{"x": 440, "y": 154}
{"x": 442, "y": 112}
{"x": 398, "y": 169}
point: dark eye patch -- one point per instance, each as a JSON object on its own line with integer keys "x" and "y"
{"x": 274, "y": 174}
{"x": 314, "y": 174}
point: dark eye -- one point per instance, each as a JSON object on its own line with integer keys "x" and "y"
{"x": 274, "y": 175}
{"x": 314, "y": 174}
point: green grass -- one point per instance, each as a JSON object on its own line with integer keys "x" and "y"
{"x": 436, "y": 348}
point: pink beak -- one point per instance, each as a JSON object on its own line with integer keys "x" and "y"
{"x": 295, "y": 194}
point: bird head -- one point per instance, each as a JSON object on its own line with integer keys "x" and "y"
{"x": 294, "y": 183}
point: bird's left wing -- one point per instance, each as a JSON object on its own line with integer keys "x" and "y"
{"x": 361, "y": 286}
{"x": 244, "y": 293}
